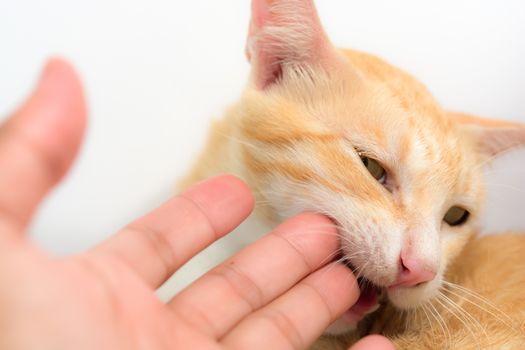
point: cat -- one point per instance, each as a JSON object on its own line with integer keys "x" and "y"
{"x": 345, "y": 134}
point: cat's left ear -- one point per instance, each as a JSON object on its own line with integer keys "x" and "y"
{"x": 285, "y": 34}
{"x": 492, "y": 136}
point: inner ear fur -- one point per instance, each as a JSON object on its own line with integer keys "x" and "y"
{"x": 285, "y": 33}
{"x": 493, "y": 136}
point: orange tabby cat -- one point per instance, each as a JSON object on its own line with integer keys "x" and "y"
{"x": 343, "y": 133}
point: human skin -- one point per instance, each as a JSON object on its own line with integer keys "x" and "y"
{"x": 280, "y": 292}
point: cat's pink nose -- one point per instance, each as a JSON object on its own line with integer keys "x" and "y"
{"x": 413, "y": 272}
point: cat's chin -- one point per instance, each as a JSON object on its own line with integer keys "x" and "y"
{"x": 370, "y": 296}
{"x": 413, "y": 297}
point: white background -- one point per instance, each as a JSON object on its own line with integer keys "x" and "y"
{"x": 156, "y": 72}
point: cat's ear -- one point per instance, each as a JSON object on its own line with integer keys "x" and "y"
{"x": 492, "y": 136}
{"x": 285, "y": 33}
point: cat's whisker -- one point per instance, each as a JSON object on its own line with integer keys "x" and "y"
{"x": 510, "y": 187}
{"x": 316, "y": 231}
{"x": 496, "y": 312}
{"x": 460, "y": 319}
{"x": 500, "y": 154}
{"x": 338, "y": 261}
{"x": 361, "y": 269}
{"x": 453, "y": 286}
{"x": 462, "y": 314}
{"x": 357, "y": 270}
{"x": 263, "y": 203}
{"x": 407, "y": 314}
{"x": 470, "y": 302}
{"x": 238, "y": 140}
{"x": 430, "y": 323}
{"x": 502, "y": 171}
{"x": 441, "y": 322}
{"x": 417, "y": 320}
{"x": 330, "y": 257}
{"x": 462, "y": 311}
{"x": 341, "y": 260}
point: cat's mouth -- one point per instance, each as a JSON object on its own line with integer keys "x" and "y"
{"x": 368, "y": 301}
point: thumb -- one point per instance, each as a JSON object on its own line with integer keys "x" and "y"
{"x": 39, "y": 142}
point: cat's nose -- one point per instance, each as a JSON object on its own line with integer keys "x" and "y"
{"x": 412, "y": 272}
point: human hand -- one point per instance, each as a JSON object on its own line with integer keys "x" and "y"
{"x": 279, "y": 292}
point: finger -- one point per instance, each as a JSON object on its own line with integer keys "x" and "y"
{"x": 163, "y": 240}
{"x": 258, "y": 274}
{"x": 297, "y": 318}
{"x": 373, "y": 342}
{"x": 39, "y": 142}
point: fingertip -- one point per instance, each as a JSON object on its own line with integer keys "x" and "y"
{"x": 62, "y": 86}
{"x": 338, "y": 285}
{"x": 41, "y": 139}
{"x": 54, "y": 118}
{"x": 58, "y": 66}
{"x": 373, "y": 342}
{"x": 59, "y": 75}
{"x": 239, "y": 185}
{"x": 315, "y": 229}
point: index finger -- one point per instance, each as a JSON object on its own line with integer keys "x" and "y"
{"x": 258, "y": 274}
{"x": 155, "y": 245}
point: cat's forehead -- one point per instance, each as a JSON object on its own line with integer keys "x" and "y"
{"x": 417, "y": 143}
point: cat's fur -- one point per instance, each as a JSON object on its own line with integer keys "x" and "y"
{"x": 296, "y": 136}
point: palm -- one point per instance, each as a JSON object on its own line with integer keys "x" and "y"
{"x": 100, "y": 304}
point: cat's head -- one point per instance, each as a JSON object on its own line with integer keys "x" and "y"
{"x": 345, "y": 134}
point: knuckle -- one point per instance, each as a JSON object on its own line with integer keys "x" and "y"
{"x": 240, "y": 284}
{"x": 158, "y": 243}
{"x": 286, "y": 328}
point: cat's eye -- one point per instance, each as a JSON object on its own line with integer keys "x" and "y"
{"x": 375, "y": 169}
{"x": 456, "y": 216}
